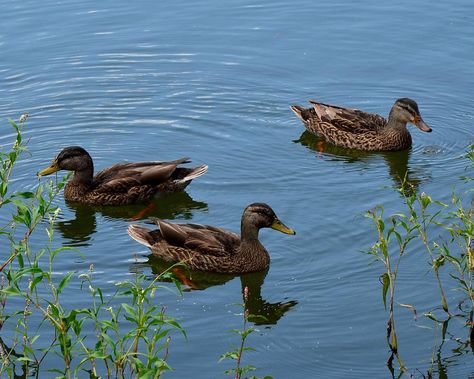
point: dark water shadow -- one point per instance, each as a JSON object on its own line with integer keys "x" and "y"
{"x": 262, "y": 312}
{"x": 27, "y": 370}
{"x": 397, "y": 161}
{"x": 79, "y": 229}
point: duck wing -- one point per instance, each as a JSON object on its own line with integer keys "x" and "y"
{"x": 123, "y": 176}
{"x": 348, "y": 120}
{"x": 204, "y": 239}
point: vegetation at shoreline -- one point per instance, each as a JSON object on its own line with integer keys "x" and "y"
{"x": 446, "y": 233}
{"x": 117, "y": 335}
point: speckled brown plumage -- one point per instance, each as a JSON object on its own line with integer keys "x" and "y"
{"x": 123, "y": 183}
{"x": 354, "y": 129}
{"x": 207, "y": 248}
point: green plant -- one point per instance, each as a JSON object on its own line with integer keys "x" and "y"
{"x": 426, "y": 220}
{"x": 138, "y": 349}
{"x": 237, "y": 353}
{"x": 381, "y": 251}
{"x": 121, "y": 335}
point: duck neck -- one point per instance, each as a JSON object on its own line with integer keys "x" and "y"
{"x": 83, "y": 178}
{"x": 248, "y": 232}
{"x": 251, "y": 252}
{"x": 395, "y": 123}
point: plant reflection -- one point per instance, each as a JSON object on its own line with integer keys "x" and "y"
{"x": 10, "y": 356}
{"x": 397, "y": 161}
{"x": 79, "y": 229}
{"x": 440, "y": 362}
{"x": 261, "y": 311}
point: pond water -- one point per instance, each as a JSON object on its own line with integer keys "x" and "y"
{"x": 213, "y": 81}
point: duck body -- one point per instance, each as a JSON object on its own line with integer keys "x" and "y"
{"x": 123, "y": 183}
{"x": 355, "y": 129}
{"x": 207, "y": 248}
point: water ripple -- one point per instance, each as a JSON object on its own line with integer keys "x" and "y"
{"x": 140, "y": 81}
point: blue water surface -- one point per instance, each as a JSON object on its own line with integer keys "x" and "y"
{"x": 213, "y": 80}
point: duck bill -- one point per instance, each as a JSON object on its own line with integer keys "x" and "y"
{"x": 420, "y": 124}
{"x": 278, "y": 225}
{"x": 49, "y": 170}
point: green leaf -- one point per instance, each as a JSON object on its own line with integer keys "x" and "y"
{"x": 381, "y": 225}
{"x": 12, "y": 157}
{"x": 229, "y": 355}
{"x": 100, "y": 295}
{"x": 29, "y": 270}
{"x": 130, "y": 310}
{"x": 61, "y": 249}
{"x": 21, "y": 262}
{"x": 425, "y": 200}
{"x": 257, "y": 318}
{"x": 158, "y": 336}
{"x": 32, "y": 341}
{"x": 25, "y": 359}
{"x": 438, "y": 262}
{"x": 431, "y": 316}
{"x": 13, "y": 123}
{"x": 24, "y": 195}
{"x": 3, "y": 190}
{"x": 54, "y": 310}
{"x": 385, "y": 280}
{"x": 35, "y": 281}
{"x": 246, "y": 332}
{"x": 11, "y": 291}
{"x": 23, "y": 213}
{"x": 174, "y": 324}
{"x": 65, "y": 280}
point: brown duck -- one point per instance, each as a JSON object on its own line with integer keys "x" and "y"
{"x": 123, "y": 183}
{"x": 207, "y": 248}
{"x": 354, "y": 129}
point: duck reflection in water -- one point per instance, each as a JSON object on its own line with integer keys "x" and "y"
{"x": 397, "y": 161}
{"x": 261, "y": 312}
{"x": 79, "y": 229}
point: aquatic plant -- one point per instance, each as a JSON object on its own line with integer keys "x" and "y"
{"x": 238, "y": 351}
{"x": 427, "y": 221}
{"x": 120, "y": 335}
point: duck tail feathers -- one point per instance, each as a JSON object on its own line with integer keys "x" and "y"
{"x": 140, "y": 234}
{"x": 194, "y": 173}
{"x": 298, "y": 111}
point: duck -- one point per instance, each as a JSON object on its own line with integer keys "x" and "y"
{"x": 212, "y": 249}
{"x": 355, "y": 129}
{"x": 122, "y": 183}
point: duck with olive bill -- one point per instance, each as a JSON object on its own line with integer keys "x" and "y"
{"x": 212, "y": 249}
{"x": 122, "y": 183}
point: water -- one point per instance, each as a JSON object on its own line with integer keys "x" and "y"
{"x": 214, "y": 81}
